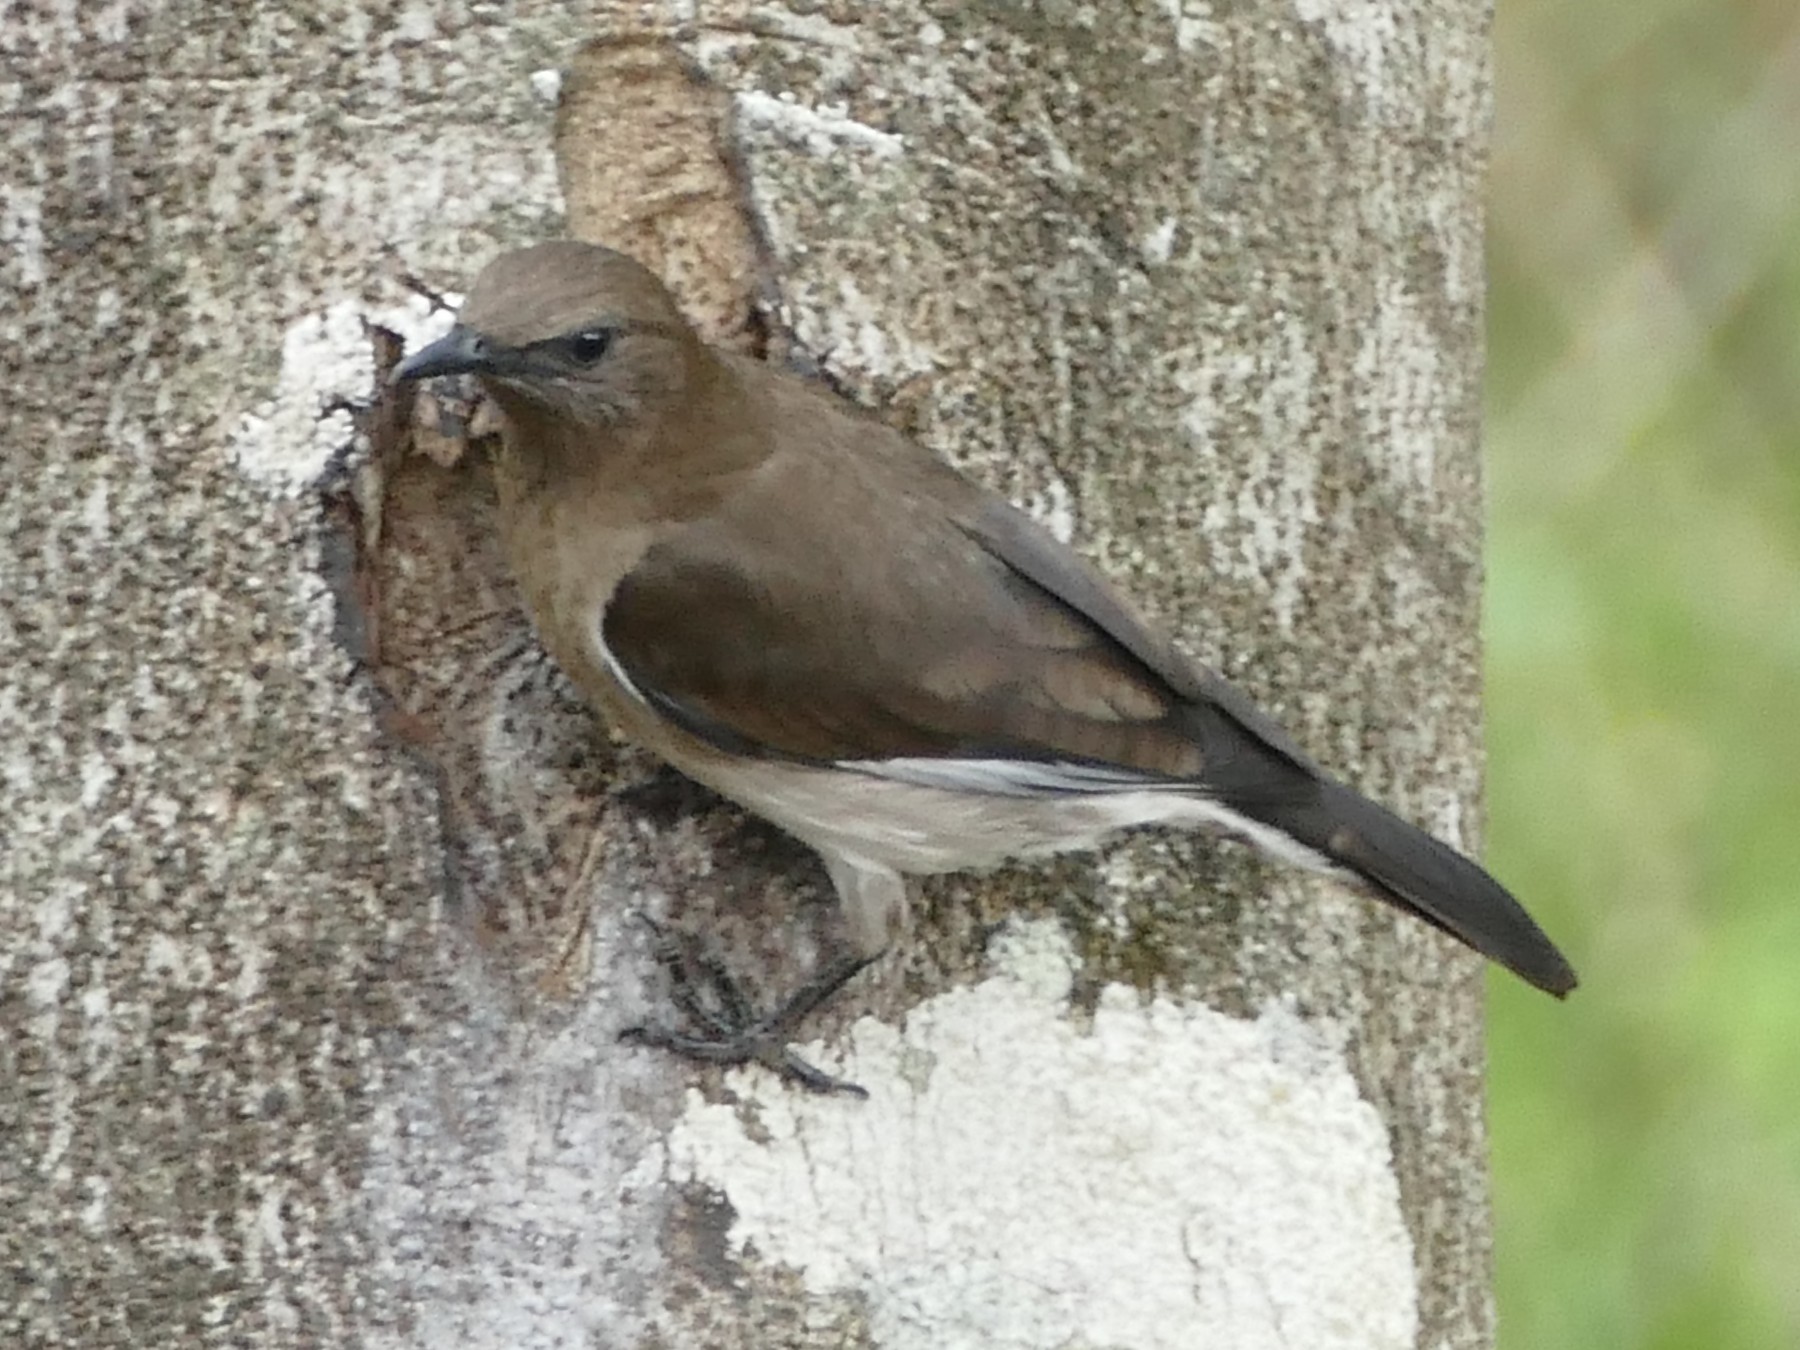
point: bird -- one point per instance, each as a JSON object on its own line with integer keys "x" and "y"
{"x": 805, "y": 610}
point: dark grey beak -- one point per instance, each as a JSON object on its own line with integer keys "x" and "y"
{"x": 461, "y": 351}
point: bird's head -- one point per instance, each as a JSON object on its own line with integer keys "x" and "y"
{"x": 570, "y": 329}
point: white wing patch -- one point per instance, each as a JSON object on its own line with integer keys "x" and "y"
{"x": 611, "y": 662}
{"x": 1004, "y": 777}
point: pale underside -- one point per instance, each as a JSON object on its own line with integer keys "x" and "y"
{"x": 876, "y": 821}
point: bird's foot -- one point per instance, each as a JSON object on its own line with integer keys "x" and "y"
{"x": 727, "y": 1029}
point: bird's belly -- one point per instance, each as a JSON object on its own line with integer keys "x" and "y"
{"x": 917, "y": 829}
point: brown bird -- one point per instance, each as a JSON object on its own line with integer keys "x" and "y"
{"x": 809, "y": 613}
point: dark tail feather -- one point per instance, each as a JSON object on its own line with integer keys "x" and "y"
{"x": 1422, "y": 876}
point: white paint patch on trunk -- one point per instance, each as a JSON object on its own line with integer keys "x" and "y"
{"x": 327, "y": 362}
{"x": 1053, "y": 508}
{"x": 1194, "y": 24}
{"x": 1261, "y": 532}
{"x": 821, "y": 131}
{"x": 1167, "y": 1177}
{"x": 1400, "y": 366}
{"x": 1159, "y": 245}
{"x": 1360, "y": 32}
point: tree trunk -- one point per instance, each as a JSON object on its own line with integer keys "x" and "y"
{"x": 316, "y": 930}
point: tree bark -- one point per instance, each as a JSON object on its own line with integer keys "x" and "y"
{"x": 316, "y": 926}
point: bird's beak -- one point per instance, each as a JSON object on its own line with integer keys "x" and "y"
{"x": 461, "y": 351}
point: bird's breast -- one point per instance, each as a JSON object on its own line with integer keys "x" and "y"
{"x": 567, "y": 561}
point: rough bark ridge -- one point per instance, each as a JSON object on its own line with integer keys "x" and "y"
{"x": 314, "y": 917}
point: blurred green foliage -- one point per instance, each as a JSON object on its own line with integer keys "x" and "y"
{"x": 1644, "y": 669}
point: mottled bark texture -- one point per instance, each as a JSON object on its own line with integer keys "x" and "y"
{"x": 315, "y": 913}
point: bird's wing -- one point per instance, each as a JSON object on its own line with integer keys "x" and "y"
{"x": 1064, "y": 575}
{"x": 945, "y": 625}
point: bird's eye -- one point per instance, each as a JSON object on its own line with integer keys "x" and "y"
{"x": 590, "y": 345}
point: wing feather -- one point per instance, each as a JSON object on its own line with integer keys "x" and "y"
{"x": 915, "y": 636}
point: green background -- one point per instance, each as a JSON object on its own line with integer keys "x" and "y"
{"x": 1643, "y": 624}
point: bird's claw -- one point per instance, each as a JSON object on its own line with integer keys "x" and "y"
{"x": 729, "y": 1031}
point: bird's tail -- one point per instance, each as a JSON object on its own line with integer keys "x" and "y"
{"x": 1409, "y": 868}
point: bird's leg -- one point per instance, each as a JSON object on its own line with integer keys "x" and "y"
{"x": 728, "y": 1028}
